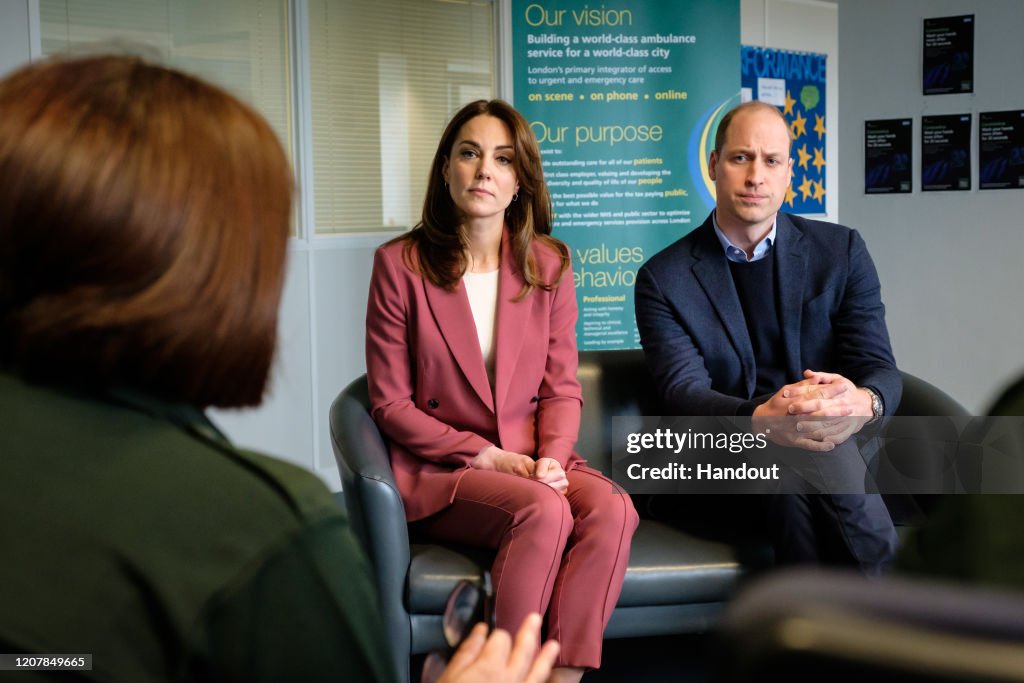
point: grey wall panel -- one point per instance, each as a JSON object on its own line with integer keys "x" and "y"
{"x": 949, "y": 261}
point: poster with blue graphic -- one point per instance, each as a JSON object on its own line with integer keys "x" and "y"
{"x": 946, "y": 152}
{"x": 795, "y": 83}
{"x": 624, "y": 99}
{"x": 1001, "y": 150}
{"x": 948, "y": 62}
{"x": 887, "y": 149}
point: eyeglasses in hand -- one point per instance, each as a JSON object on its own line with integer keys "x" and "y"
{"x": 468, "y": 604}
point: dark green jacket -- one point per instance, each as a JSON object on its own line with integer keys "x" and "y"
{"x": 133, "y": 531}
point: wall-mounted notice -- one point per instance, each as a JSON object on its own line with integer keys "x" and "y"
{"x": 946, "y": 152}
{"x": 1001, "y": 150}
{"x": 887, "y": 149}
{"x": 795, "y": 83}
{"x": 624, "y": 99}
{"x": 948, "y": 55}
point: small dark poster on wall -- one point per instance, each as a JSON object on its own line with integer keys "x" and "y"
{"x": 887, "y": 149}
{"x": 948, "y": 55}
{"x": 946, "y": 152}
{"x": 1001, "y": 150}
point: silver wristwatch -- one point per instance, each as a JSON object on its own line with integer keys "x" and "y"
{"x": 877, "y": 409}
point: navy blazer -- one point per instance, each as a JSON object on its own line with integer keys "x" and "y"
{"x": 695, "y": 337}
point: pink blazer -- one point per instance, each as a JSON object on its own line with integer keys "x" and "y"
{"x": 429, "y": 389}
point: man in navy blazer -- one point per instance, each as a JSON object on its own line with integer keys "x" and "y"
{"x": 770, "y": 315}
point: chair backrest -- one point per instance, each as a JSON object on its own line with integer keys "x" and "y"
{"x": 615, "y": 383}
{"x": 919, "y": 454}
{"x": 923, "y": 399}
{"x": 375, "y": 508}
{"x": 366, "y": 476}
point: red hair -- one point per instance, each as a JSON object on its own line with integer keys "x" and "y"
{"x": 144, "y": 219}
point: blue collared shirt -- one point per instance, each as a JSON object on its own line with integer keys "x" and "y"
{"x": 734, "y": 253}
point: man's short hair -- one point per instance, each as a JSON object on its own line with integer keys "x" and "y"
{"x": 723, "y": 126}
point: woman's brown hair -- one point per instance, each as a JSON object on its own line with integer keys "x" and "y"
{"x": 439, "y": 239}
{"x": 144, "y": 220}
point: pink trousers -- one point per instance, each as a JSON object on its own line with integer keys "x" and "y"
{"x": 563, "y": 556}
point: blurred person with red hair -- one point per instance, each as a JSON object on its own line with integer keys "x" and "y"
{"x": 144, "y": 221}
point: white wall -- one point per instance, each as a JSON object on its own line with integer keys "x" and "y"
{"x": 16, "y": 33}
{"x": 949, "y": 261}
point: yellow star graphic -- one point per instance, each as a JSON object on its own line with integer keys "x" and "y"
{"x": 804, "y": 157}
{"x": 805, "y": 189}
{"x": 819, "y": 191}
{"x": 789, "y": 104}
{"x": 799, "y": 125}
{"x": 790, "y": 195}
{"x": 819, "y": 125}
{"x": 819, "y": 159}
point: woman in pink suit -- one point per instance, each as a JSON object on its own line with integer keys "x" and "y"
{"x": 471, "y": 358}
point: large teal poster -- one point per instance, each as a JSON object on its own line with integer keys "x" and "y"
{"x": 624, "y": 99}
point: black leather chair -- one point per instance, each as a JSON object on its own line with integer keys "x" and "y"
{"x": 675, "y": 582}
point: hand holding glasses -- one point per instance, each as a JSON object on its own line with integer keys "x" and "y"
{"x": 468, "y": 618}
